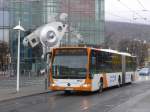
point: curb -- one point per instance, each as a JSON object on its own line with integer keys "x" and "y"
{"x": 27, "y": 95}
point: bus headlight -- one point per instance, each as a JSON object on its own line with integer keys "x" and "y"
{"x": 86, "y": 85}
{"x": 53, "y": 84}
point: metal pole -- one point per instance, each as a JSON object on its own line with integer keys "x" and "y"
{"x": 18, "y": 61}
{"x": 19, "y": 28}
{"x": 47, "y": 70}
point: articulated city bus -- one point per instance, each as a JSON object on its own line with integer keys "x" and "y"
{"x": 90, "y": 69}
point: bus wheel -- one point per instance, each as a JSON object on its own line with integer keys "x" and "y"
{"x": 119, "y": 82}
{"x": 67, "y": 92}
{"x": 100, "y": 86}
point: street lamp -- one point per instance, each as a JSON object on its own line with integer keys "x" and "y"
{"x": 19, "y": 28}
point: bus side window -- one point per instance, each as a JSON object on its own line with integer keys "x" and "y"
{"x": 93, "y": 63}
{"x": 93, "y": 60}
{"x": 104, "y": 62}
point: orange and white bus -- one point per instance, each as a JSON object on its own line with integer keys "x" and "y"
{"x": 90, "y": 69}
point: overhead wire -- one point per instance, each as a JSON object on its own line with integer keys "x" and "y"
{"x": 124, "y": 18}
{"x": 121, "y": 17}
{"x": 141, "y": 5}
{"x": 123, "y": 4}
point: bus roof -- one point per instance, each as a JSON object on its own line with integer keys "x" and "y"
{"x": 104, "y": 50}
{"x": 115, "y": 52}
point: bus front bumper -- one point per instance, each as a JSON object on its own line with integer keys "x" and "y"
{"x": 79, "y": 88}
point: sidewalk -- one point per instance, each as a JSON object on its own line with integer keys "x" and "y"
{"x": 139, "y": 103}
{"x": 7, "y": 93}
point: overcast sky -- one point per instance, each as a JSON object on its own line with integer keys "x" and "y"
{"x": 134, "y": 11}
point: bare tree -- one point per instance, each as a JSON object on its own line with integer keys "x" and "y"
{"x": 4, "y": 50}
{"x": 135, "y": 47}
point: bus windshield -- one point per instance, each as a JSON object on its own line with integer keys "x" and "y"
{"x": 69, "y": 64}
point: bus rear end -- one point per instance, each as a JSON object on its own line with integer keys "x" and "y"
{"x": 69, "y": 70}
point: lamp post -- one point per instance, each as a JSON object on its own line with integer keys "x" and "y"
{"x": 19, "y": 28}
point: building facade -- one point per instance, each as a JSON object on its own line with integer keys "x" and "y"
{"x": 85, "y": 17}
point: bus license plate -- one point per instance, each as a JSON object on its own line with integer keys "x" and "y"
{"x": 68, "y": 88}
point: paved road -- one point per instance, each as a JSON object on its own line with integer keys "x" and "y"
{"x": 76, "y": 102}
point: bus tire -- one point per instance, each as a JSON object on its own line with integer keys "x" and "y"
{"x": 100, "y": 90}
{"x": 119, "y": 81}
{"x": 67, "y": 92}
